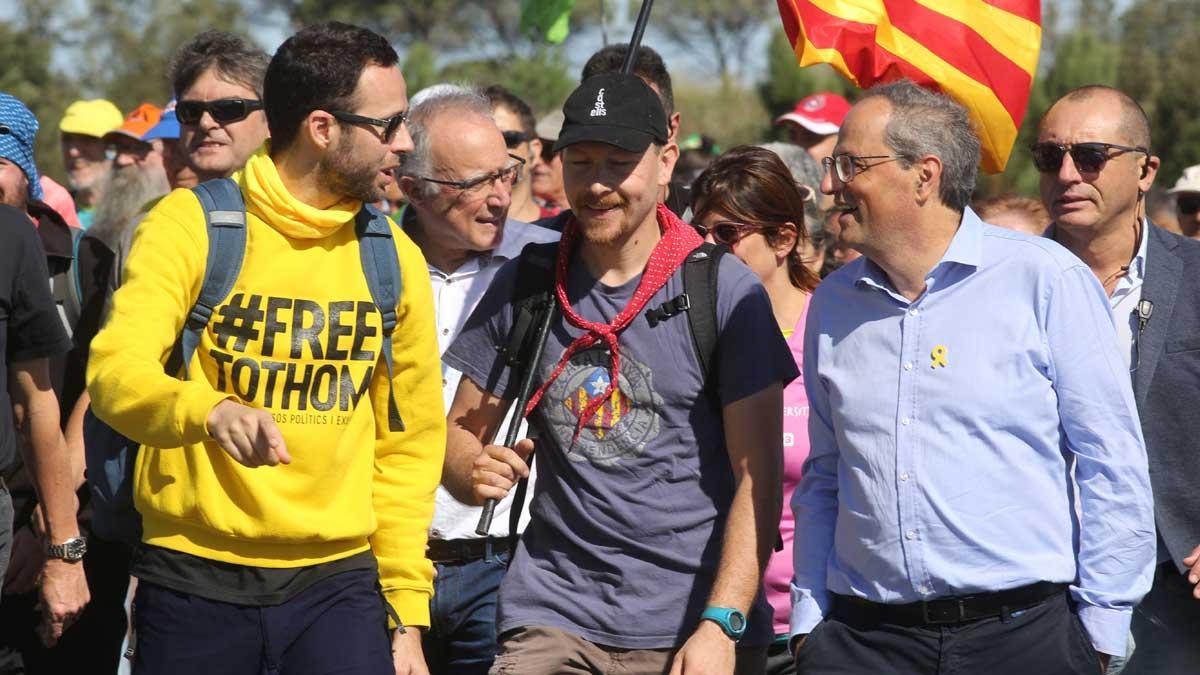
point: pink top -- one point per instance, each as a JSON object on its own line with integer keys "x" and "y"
{"x": 56, "y": 197}
{"x": 777, "y": 579}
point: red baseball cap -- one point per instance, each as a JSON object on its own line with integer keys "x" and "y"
{"x": 822, "y": 113}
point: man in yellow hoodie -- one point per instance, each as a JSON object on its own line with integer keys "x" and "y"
{"x": 284, "y": 517}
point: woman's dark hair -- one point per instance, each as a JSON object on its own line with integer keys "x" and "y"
{"x": 318, "y": 69}
{"x": 752, "y": 185}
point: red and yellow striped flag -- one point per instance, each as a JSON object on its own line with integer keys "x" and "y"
{"x": 984, "y": 53}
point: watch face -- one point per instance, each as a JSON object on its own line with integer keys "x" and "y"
{"x": 737, "y": 621}
{"x": 73, "y": 549}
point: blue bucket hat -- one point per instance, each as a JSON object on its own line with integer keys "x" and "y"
{"x": 18, "y": 128}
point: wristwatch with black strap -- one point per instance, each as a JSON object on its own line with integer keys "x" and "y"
{"x": 71, "y": 550}
{"x": 732, "y": 621}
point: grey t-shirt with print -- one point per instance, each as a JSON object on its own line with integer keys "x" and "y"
{"x": 627, "y": 525}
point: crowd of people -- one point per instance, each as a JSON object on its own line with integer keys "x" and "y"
{"x": 309, "y": 375}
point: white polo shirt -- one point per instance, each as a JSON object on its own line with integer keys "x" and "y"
{"x": 455, "y": 296}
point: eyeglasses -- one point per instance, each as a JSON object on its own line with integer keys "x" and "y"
{"x": 136, "y": 149}
{"x": 473, "y": 187}
{"x": 547, "y": 151}
{"x": 1087, "y": 157}
{"x": 514, "y": 138}
{"x": 389, "y": 125}
{"x": 222, "y": 110}
{"x": 1188, "y": 205}
{"x": 846, "y": 166}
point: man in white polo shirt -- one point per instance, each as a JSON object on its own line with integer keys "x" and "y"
{"x": 458, "y": 181}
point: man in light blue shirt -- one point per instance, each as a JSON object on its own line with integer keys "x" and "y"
{"x": 959, "y": 375}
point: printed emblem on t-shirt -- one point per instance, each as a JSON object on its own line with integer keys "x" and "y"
{"x": 622, "y": 426}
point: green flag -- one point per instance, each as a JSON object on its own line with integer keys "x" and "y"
{"x": 550, "y": 17}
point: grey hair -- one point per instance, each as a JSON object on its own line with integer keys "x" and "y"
{"x": 425, "y": 106}
{"x": 927, "y": 123}
{"x": 806, "y": 172}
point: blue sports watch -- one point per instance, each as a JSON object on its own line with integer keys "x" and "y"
{"x": 730, "y": 620}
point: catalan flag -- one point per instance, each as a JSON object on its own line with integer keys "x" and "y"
{"x": 984, "y": 53}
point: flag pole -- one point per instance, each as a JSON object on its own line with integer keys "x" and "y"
{"x": 643, "y": 18}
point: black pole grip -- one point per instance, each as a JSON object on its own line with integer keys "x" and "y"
{"x": 524, "y": 391}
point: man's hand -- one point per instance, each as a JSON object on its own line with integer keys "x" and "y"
{"x": 709, "y": 651}
{"x": 497, "y": 469}
{"x": 406, "y": 653}
{"x": 25, "y": 563}
{"x": 1193, "y": 574}
{"x": 248, "y": 435}
{"x": 64, "y": 595}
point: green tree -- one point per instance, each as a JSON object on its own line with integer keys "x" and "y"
{"x": 716, "y": 32}
{"x": 786, "y": 82}
{"x": 541, "y": 81}
{"x": 1158, "y": 67}
{"x": 26, "y": 52}
{"x": 125, "y": 46}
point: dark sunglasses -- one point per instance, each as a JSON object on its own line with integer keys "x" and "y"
{"x": 1087, "y": 157}
{"x": 1188, "y": 205}
{"x": 389, "y": 125}
{"x": 514, "y": 138}
{"x": 222, "y": 110}
{"x": 547, "y": 150}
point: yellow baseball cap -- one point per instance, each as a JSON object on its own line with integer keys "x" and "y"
{"x": 91, "y": 118}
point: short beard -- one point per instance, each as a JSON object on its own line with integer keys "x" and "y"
{"x": 342, "y": 174}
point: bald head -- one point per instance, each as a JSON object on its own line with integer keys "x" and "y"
{"x": 1134, "y": 125}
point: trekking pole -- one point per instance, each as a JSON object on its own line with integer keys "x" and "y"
{"x": 526, "y": 385}
{"x": 524, "y": 391}
{"x": 639, "y": 27}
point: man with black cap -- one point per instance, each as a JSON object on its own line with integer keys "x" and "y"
{"x": 657, "y": 485}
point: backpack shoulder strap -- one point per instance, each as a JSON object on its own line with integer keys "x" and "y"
{"x": 700, "y": 286}
{"x": 381, "y": 267}
{"x": 225, "y": 222}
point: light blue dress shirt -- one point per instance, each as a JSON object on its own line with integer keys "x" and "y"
{"x": 943, "y": 432}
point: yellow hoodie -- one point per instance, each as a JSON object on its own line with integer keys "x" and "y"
{"x": 299, "y": 336}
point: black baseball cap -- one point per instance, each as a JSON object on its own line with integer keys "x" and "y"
{"x": 616, "y": 109}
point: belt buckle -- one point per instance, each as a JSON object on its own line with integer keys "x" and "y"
{"x": 954, "y": 611}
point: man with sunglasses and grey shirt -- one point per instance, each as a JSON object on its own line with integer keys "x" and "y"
{"x": 459, "y": 181}
{"x": 1093, "y": 152}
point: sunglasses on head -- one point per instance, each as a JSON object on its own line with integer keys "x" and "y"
{"x": 1188, "y": 204}
{"x": 1087, "y": 157}
{"x": 514, "y": 138}
{"x": 222, "y": 110}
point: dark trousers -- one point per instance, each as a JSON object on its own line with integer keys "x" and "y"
{"x": 461, "y": 639}
{"x": 90, "y": 645}
{"x": 779, "y": 659}
{"x": 337, "y": 625}
{"x": 1047, "y": 639}
{"x": 1166, "y": 627}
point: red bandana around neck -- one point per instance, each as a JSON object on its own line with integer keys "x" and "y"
{"x": 678, "y": 241}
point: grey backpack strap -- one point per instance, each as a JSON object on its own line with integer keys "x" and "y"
{"x": 382, "y": 270}
{"x": 225, "y": 221}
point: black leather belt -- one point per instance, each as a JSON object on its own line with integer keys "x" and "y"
{"x": 950, "y": 610}
{"x": 459, "y": 550}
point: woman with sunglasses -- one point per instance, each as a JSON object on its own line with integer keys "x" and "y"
{"x": 748, "y": 200}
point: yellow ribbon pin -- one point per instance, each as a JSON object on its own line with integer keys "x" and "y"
{"x": 939, "y": 357}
